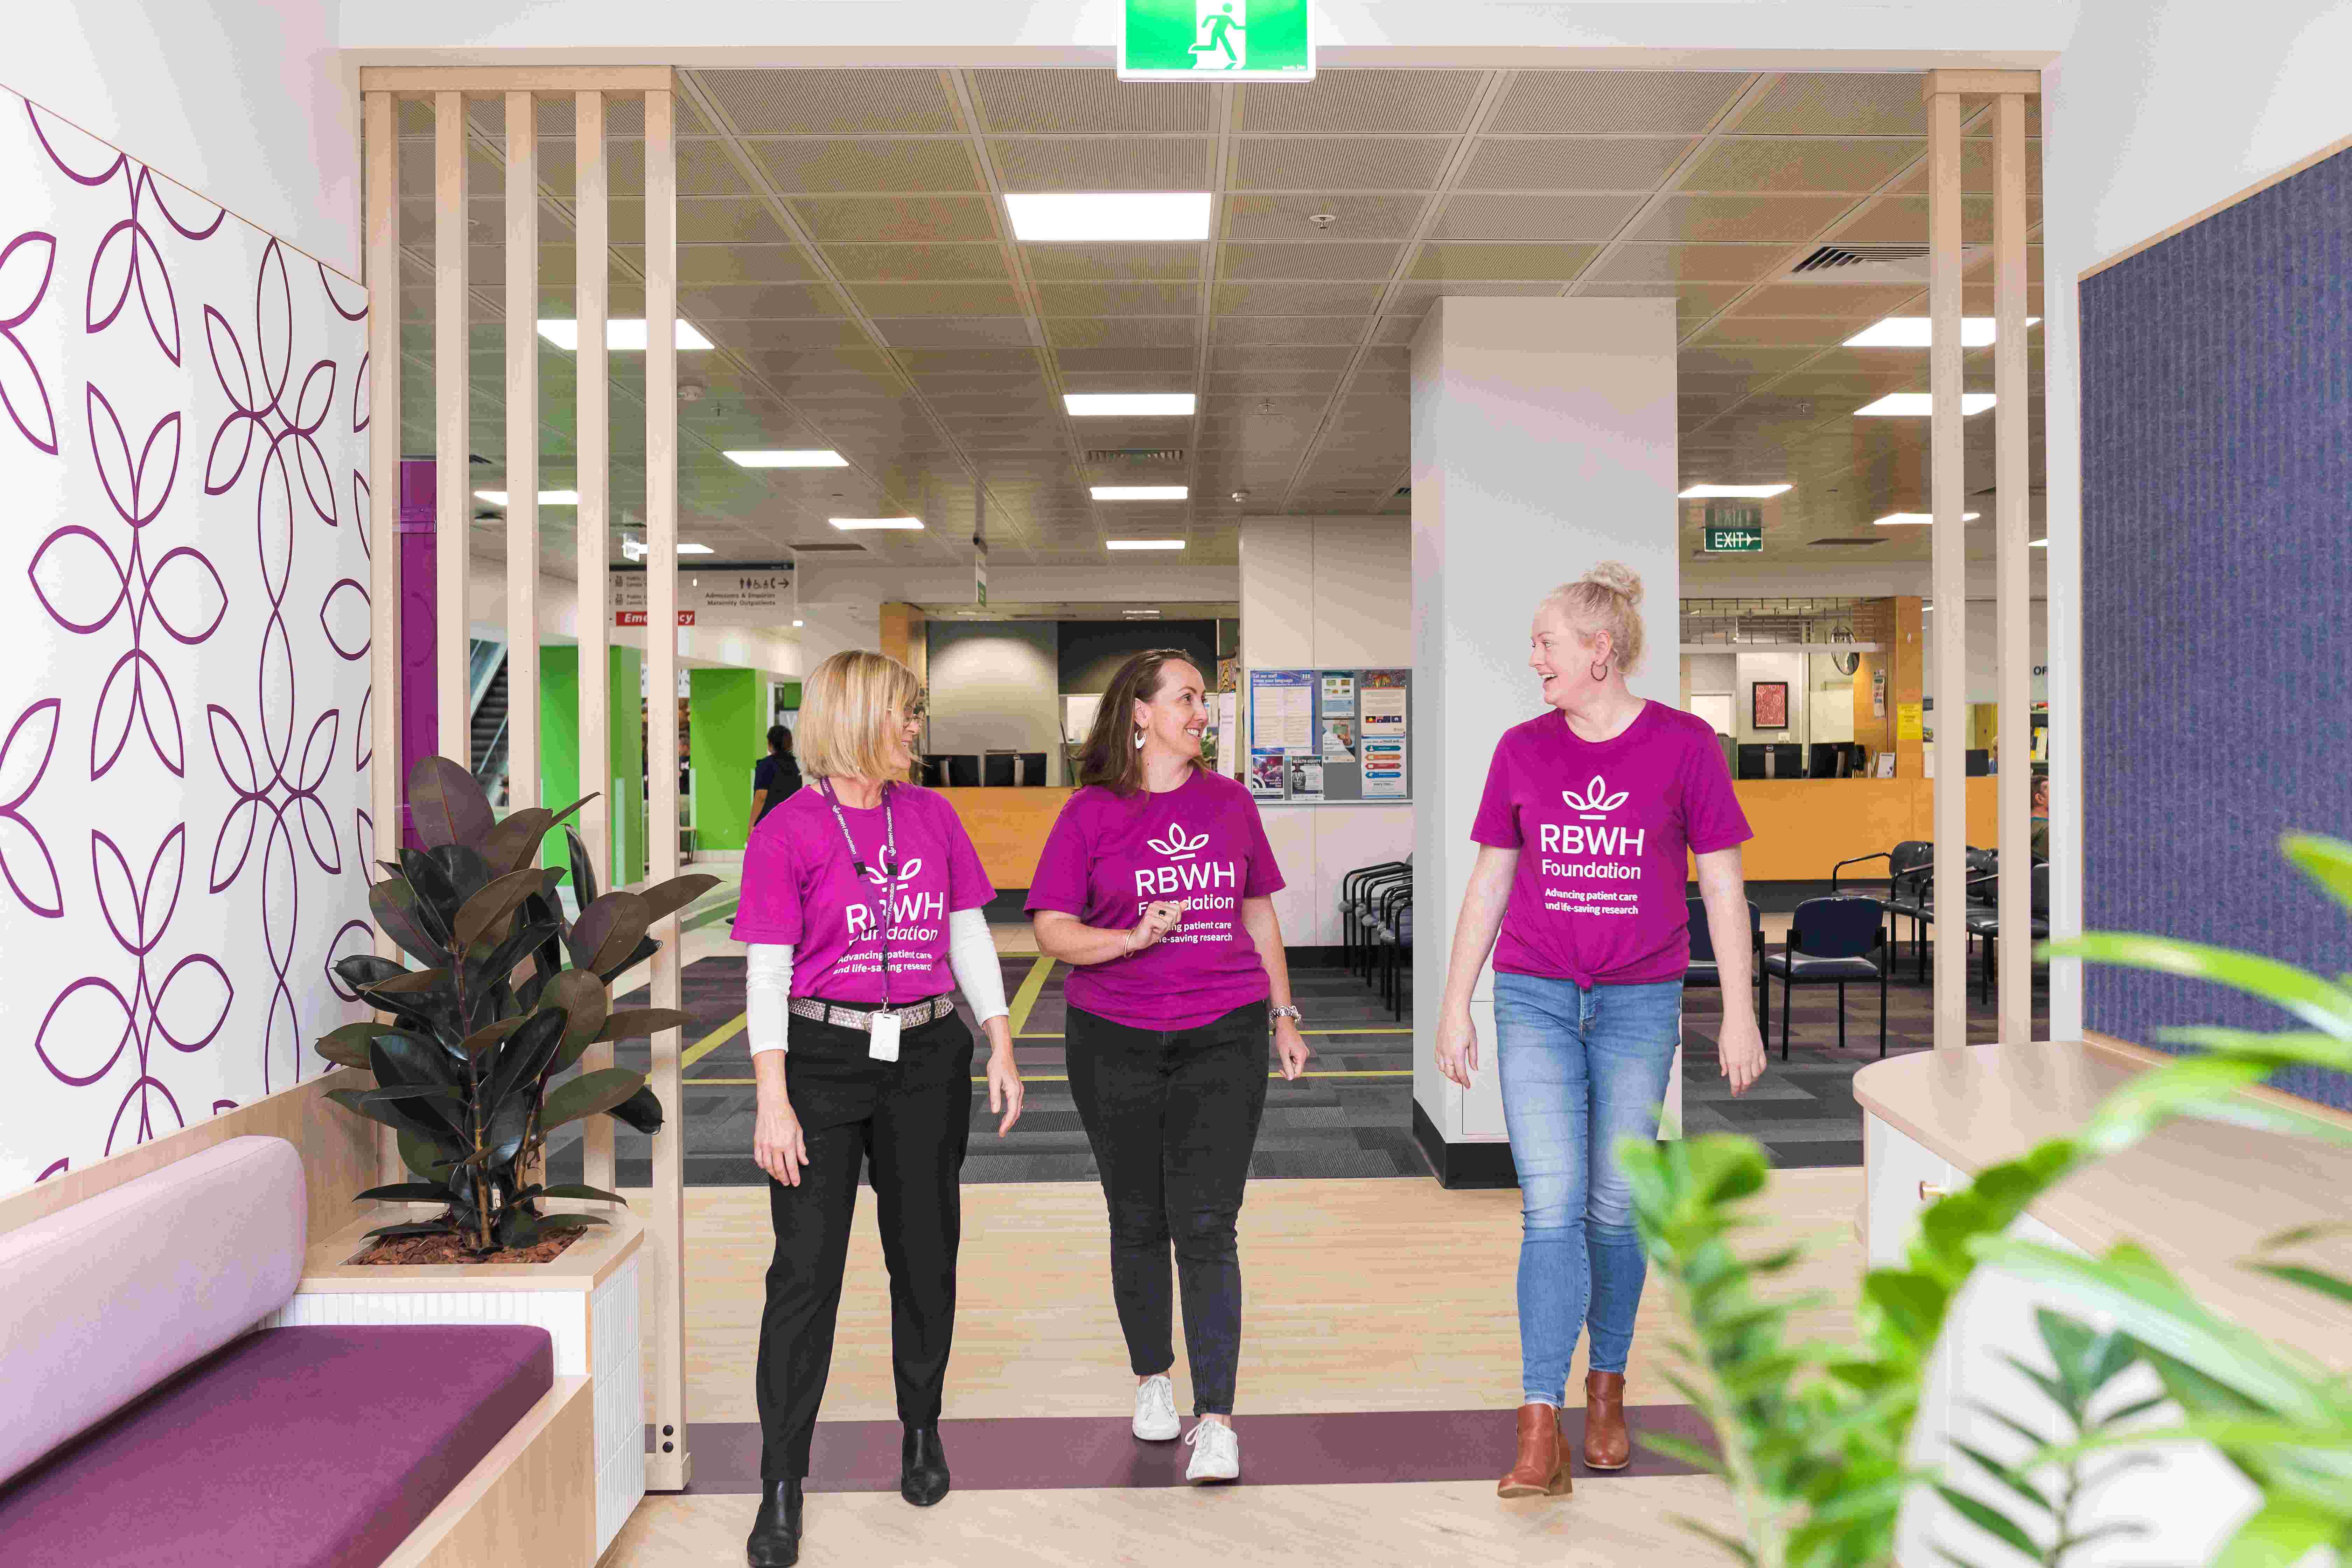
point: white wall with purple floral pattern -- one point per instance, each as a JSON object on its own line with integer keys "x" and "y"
{"x": 184, "y": 844}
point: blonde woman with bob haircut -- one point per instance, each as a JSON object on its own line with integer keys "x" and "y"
{"x": 1584, "y": 833}
{"x": 862, "y": 897}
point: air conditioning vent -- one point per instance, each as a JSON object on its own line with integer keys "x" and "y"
{"x": 1858, "y": 263}
{"x": 826, "y": 547}
{"x": 1135, "y": 453}
{"x": 1855, "y": 254}
{"x": 1857, "y": 539}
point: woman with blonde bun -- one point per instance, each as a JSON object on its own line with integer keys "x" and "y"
{"x": 1588, "y": 814}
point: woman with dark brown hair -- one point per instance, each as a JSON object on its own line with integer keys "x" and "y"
{"x": 1156, "y": 886}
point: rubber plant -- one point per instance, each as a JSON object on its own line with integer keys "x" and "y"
{"x": 1812, "y": 1436}
{"x": 510, "y": 992}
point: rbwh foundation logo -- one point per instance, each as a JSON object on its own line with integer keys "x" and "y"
{"x": 1595, "y": 800}
{"x": 881, "y": 875}
{"x": 1176, "y": 846}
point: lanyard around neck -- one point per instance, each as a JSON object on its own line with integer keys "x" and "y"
{"x": 888, "y": 882}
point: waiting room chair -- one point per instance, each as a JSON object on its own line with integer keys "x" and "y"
{"x": 1909, "y": 865}
{"x": 1359, "y": 893}
{"x": 1703, "y": 969}
{"x": 1984, "y": 920}
{"x": 1837, "y": 941}
{"x": 1392, "y": 939}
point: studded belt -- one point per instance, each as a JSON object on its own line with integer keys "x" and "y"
{"x": 862, "y": 1018}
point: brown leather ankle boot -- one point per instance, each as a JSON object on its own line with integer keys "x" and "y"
{"x": 1542, "y": 1467}
{"x": 1607, "y": 1445}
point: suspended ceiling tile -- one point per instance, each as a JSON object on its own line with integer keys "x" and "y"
{"x": 1233, "y": 329}
{"x": 896, "y": 219}
{"x": 1340, "y": 163}
{"x": 917, "y": 263}
{"x": 1081, "y": 332}
{"x": 949, "y": 332}
{"x": 1119, "y": 298}
{"x": 831, "y": 102}
{"x": 1801, "y": 164}
{"x": 1977, "y": 170}
{"x": 1839, "y": 104}
{"x": 1084, "y": 100}
{"x": 1905, "y": 218}
{"x": 1177, "y": 261}
{"x": 1359, "y": 216}
{"x": 1572, "y": 164}
{"x": 1103, "y": 163}
{"x": 750, "y": 301}
{"x": 1780, "y": 331}
{"x": 1500, "y": 217}
{"x": 858, "y": 165}
{"x": 1417, "y": 295}
{"x": 1334, "y": 357}
{"x": 817, "y": 333}
{"x": 1687, "y": 263}
{"x": 1359, "y": 101}
{"x": 1868, "y": 301}
{"x": 1733, "y": 218}
{"x": 1075, "y": 360}
{"x": 1310, "y": 260}
{"x": 1560, "y": 262}
{"x": 938, "y": 361}
{"x": 719, "y": 263}
{"x": 1297, "y": 299}
{"x": 1573, "y": 102}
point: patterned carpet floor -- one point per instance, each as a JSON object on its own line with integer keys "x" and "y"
{"x": 1351, "y": 1116}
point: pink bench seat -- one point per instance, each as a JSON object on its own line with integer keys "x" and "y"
{"x": 309, "y": 1447}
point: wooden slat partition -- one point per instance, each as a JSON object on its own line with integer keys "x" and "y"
{"x": 384, "y": 783}
{"x": 2014, "y": 782}
{"x": 452, "y": 404}
{"x": 1948, "y": 569}
{"x": 522, "y": 452}
{"x": 667, "y": 1465}
{"x": 592, "y": 224}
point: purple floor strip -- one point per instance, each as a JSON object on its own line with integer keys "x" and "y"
{"x": 1045, "y": 1453}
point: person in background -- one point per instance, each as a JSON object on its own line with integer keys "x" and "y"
{"x": 1587, "y": 818}
{"x": 2041, "y": 829}
{"x": 862, "y": 894}
{"x": 1156, "y": 885}
{"x": 775, "y": 775}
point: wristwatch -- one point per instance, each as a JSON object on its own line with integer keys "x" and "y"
{"x": 1292, "y": 1013}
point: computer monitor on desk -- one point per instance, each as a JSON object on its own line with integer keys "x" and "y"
{"x": 1780, "y": 760}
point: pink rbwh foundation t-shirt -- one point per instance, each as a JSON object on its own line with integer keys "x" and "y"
{"x": 1199, "y": 845}
{"x": 1604, "y": 830}
{"x": 799, "y": 886}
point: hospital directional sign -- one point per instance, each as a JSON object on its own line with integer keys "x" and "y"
{"x": 1217, "y": 40}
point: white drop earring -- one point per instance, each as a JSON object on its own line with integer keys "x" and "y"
{"x": 1139, "y": 740}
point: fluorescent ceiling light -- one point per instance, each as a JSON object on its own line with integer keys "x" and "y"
{"x": 1751, "y": 492}
{"x": 1109, "y": 215}
{"x": 1143, "y": 544}
{"x": 1140, "y": 615}
{"x": 2037, "y": 544}
{"x": 852, "y": 524}
{"x": 1918, "y": 333}
{"x": 546, "y": 498}
{"x": 1900, "y": 519}
{"x": 1100, "y": 403}
{"x": 800, "y": 623}
{"x": 1141, "y": 493}
{"x": 637, "y": 550}
{"x": 1920, "y": 405}
{"x": 689, "y": 548}
{"x": 799, "y": 460}
{"x": 623, "y": 334}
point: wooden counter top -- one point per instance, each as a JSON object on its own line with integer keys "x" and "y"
{"x": 1008, "y": 827}
{"x": 2200, "y": 1196}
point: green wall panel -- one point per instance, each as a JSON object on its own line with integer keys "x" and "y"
{"x": 728, "y": 735}
{"x": 559, "y": 742}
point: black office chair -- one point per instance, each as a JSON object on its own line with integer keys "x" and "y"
{"x": 1033, "y": 768}
{"x": 1833, "y": 942}
{"x": 1979, "y": 866}
{"x": 1390, "y": 933}
{"x": 1359, "y": 893}
{"x": 996, "y": 769}
{"x": 1705, "y": 971}
{"x": 963, "y": 770}
{"x": 1984, "y": 920}
{"x": 1908, "y": 867}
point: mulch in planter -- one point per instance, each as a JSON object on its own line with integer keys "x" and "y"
{"x": 454, "y": 1250}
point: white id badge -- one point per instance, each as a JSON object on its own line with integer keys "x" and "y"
{"x": 883, "y": 1041}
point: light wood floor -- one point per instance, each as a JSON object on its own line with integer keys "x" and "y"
{"x": 1616, "y": 1524}
{"x": 1393, "y": 1295}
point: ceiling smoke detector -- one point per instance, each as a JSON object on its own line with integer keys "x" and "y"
{"x": 690, "y": 392}
{"x": 1323, "y": 221}
{"x": 1240, "y": 496}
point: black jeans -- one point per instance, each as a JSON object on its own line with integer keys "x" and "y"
{"x": 909, "y": 1122}
{"x": 1172, "y": 1115}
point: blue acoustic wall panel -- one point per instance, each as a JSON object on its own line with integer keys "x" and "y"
{"x": 2217, "y": 597}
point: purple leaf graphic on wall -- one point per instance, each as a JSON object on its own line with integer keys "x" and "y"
{"x": 24, "y": 857}
{"x": 25, "y": 266}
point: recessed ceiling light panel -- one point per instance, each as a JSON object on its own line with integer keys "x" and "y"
{"x": 1918, "y": 332}
{"x": 853, "y": 524}
{"x": 804, "y": 459}
{"x": 1907, "y": 519}
{"x": 1143, "y": 544}
{"x": 1097, "y": 404}
{"x": 1920, "y": 405}
{"x": 1141, "y": 493}
{"x": 546, "y": 498}
{"x": 1750, "y": 492}
{"x": 1114, "y": 215}
{"x": 619, "y": 335}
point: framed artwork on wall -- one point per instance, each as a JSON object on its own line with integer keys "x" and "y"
{"x": 1769, "y": 705}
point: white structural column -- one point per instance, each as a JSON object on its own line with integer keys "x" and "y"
{"x": 452, "y": 445}
{"x": 667, "y": 1466}
{"x": 2013, "y": 483}
{"x": 592, "y": 217}
{"x": 1948, "y": 568}
{"x": 522, "y": 452}
{"x": 1543, "y": 441}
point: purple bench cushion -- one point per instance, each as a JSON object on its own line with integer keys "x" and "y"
{"x": 289, "y": 1448}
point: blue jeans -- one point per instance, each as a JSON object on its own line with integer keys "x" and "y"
{"x": 1582, "y": 1067}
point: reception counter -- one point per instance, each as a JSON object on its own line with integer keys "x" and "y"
{"x": 1803, "y": 826}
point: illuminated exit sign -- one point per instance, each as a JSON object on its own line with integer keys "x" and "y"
{"x": 1217, "y": 40}
{"x": 1733, "y": 531}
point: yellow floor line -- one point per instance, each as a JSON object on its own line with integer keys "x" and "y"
{"x": 712, "y": 1041}
{"x": 1061, "y": 1077}
{"x": 1020, "y": 1037}
{"x": 1031, "y": 989}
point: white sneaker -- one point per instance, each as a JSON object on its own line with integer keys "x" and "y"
{"x": 1155, "y": 1410}
{"x": 1216, "y": 1453}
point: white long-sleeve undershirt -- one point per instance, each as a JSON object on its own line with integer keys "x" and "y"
{"x": 768, "y": 981}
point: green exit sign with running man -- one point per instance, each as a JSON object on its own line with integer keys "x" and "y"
{"x": 1217, "y": 40}
{"x": 1733, "y": 529}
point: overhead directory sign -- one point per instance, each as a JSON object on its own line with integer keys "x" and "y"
{"x": 1232, "y": 40}
{"x": 725, "y": 597}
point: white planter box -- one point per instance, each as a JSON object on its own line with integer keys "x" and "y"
{"x": 586, "y": 1299}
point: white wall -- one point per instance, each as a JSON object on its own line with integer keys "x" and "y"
{"x": 240, "y": 100}
{"x": 994, "y": 686}
{"x": 1328, "y": 592}
{"x": 2157, "y": 110}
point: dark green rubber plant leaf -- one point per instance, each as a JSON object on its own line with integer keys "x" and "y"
{"x": 513, "y": 844}
{"x": 447, "y": 804}
{"x": 588, "y": 1094}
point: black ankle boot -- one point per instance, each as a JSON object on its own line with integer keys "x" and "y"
{"x": 922, "y": 1466}
{"x": 776, "y": 1533}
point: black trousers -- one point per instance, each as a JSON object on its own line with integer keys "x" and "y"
{"x": 1172, "y": 1115}
{"x": 909, "y": 1122}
